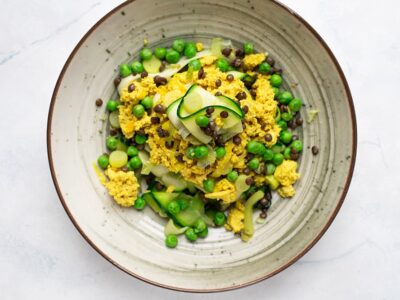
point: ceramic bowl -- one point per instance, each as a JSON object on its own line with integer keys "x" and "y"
{"x": 134, "y": 241}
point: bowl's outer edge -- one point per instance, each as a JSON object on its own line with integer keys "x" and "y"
{"x": 342, "y": 197}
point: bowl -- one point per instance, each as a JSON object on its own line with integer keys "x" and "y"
{"x": 134, "y": 241}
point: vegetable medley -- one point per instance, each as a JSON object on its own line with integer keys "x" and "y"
{"x": 202, "y": 136}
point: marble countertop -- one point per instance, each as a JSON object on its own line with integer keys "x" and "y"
{"x": 42, "y": 256}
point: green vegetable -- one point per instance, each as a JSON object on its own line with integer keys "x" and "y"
{"x": 147, "y": 102}
{"x": 111, "y": 143}
{"x": 222, "y": 64}
{"x": 202, "y": 121}
{"x": 173, "y": 207}
{"x": 255, "y": 147}
{"x": 137, "y": 67}
{"x": 172, "y": 228}
{"x": 248, "y": 48}
{"x": 276, "y": 80}
{"x": 160, "y": 52}
{"x": 103, "y": 161}
{"x": 135, "y": 163}
{"x": 152, "y": 65}
{"x": 276, "y": 92}
{"x": 272, "y": 182}
{"x": 178, "y": 45}
{"x": 146, "y": 54}
{"x": 312, "y": 114}
{"x": 172, "y": 56}
{"x": 220, "y": 152}
{"x": 138, "y": 111}
{"x": 183, "y": 203}
{"x": 199, "y": 226}
{"x": 171, "y": 241}
{"x": 209, "y": 185}
{"x": 232, "y": 176}
{"x": 270, "y": 169}
{"x": 112, "y": 105}
{"x": 287, "y": 152}
{"x": 277, "y": 159}
{"x": 118, "y": 159}
{"x": 132, "y": 151}
{"x": 295, "y": 104}
{"x": 285, "y": 136}
{"x": 286, "y": 116}
{"x": 203, "y": 233}
{"x": 219, "y": 219}
{"x": 191, "y": 234}
{"x": 297, "y": 145}
{"x": 124, "y": 70}
{"x": 278, "y": 148}
{"x": 113, "y": 118}
{"x": 190, "y": 50}
{"x": 140, "y": 139}
{"x": 140, "y": 203}
{"x": 190, "y": 152}
{"x": 268, "y": 154}
{"x": 248, "y": 229}
{"x": 153, "y": 205}
{"x": 195, "y": 65}
{"x": 200, "y": 152}
{"x": 253, "y": 163}
{"x": 282, "y": 124}
{"x": 285, "y": 97}
{"x": 264, "y": 68}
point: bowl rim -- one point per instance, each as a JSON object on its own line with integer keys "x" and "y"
{"x": 228, "y": 288}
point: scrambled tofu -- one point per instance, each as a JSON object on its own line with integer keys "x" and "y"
{"x": 286, "y": 174}
{"x": 225, "y": 191}
{"x": 235, "y": 221}
{"x": 253, "y": 60}
{"x": 122, "y": 186}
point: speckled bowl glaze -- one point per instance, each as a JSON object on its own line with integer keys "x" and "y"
{"x": 134, "y": 241}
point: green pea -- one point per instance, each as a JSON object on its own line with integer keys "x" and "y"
{"x": 276, "y": 92}
{"x": 146, "y": 54}
{"x": 220, "y": 152}
{"x": 264, "y": 68}
{"x": 285, "y": 97}
{"x": 134, "y": 163}
{"x": 171, "y": 241}
{"x": 195, "y": 65}
{"x": 137, "y": 67}
{"x": 232, "y": 176}
{"x": 209, "y": 185}
{"x": 178, "y": 45}
{"x": 219, "y": 219}
{"x": 202, "y": 121}
{"x": 111, "y": 143}
{"x": 103, "y": 161}
{"x": 173, "y": 208}
{"x": 124, "y": 70}
{"x": 277, "y": 159}
{"x": 199, "y": 226}
{"x": 255, "y": 147}
{"x": 140, "y": 139}
{"x": 138, "y": 111}
{"x": 278, "y": 148}
{"x": 276, "y": 80}
{"x": 190, "y": 234}
{"x": 285, "y": 136}
{"x": 282, "y": 124}
{"x": 295, "y": 104}
{"x": 203, "y": 233}
{"x": 222, "y": 64}
{"x": 147, "y": 102}
{"x": 132, "y": 151}
{"x": 287, "y": 152}
{"x": 112, "y": 105}
{"x": 172, "y": 56}
{"x": 286, "y": 116}
{"x": 253, "y": 164}
{"x": 183, "y": 203}
{"x": 268, "y": 154}
{"x": 270, "y": 169}
{"x": 190, "y": 152}
{"x": 190, "y": 50}
{"x": 200, "y": 152}
{"x": 140, "y": 203}
{"x": 297, "y": 145}
{"x": 160, "y": 52}
{"x": 248, "y": 48}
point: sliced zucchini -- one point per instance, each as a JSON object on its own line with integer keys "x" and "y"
{"x": 146, "y": 165}
{"x": 237, "y": 74}
{"x": 153, "y": 205}
{"x": 209, "y": 160}
{"x": 159, "y": 170}
{"x": 172, "y": 112}
{"x": 175, "y": 180}
{"x": 231, "y": 104}
{"x": 231, "y": 132}
{"x": 113, "y": 118}
{"x": 195, "y": 99}
{"x": 171, "y": 228}
{"x": 164, "y": 198}
{"x": 152, "y": 65}
{"x": 241, "y": 185}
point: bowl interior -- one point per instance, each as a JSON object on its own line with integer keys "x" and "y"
{"x": 134, "y": 241}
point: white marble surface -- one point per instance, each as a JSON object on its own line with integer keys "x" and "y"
{"x": 42, "y": 256}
